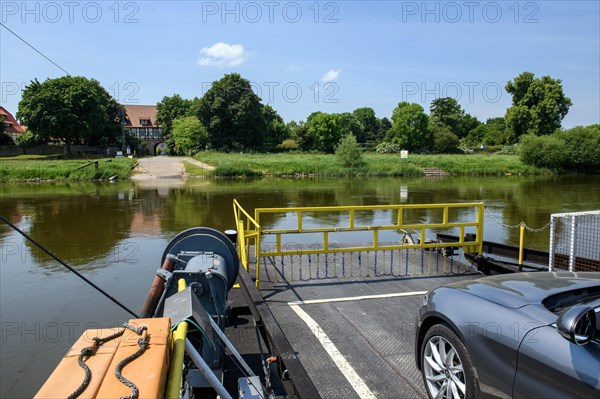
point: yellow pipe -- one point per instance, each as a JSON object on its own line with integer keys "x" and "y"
{"x": 176, "y": 368}
{"x": 521, "y": 241}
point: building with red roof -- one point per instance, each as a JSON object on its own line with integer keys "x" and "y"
{"x": 141, "y": 121}
{"x": 13, "y": 128}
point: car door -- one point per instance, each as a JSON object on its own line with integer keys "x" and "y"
{"x": 549, "y": 366}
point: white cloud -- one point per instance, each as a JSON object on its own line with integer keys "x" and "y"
{"x": 222, "y": 55}
{"x": 331, "y": 75}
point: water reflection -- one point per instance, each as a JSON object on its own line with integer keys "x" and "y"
{"x": 81, "y": 229}
{"x": 84, "y": 222}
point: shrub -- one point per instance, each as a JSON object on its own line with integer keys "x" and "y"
{"x": 576, "y": 149}
{"x": 388, "y": 148}
{"x": 288, "y": 144}
{"x": 28, "y": 139}
{"x": 445, "y": 142}
{"x": 542, "y": 151}
{"x": 581, "y": 147}
{"x": 188, "y": 135}
{"x": 348, "y": 153}
{"x": 508, "y": 150}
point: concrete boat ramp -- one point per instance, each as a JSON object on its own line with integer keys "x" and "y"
{"x": 343, "y": 337}
{"x": 162, "y": 167}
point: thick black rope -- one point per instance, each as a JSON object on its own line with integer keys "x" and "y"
{"x": 143, "y": 344}
{"x": 90, "y": 351}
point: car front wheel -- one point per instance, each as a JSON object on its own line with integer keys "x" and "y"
{"x": 446, "y": 366}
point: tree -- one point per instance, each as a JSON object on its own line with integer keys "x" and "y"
{"x": 277, "y": 130}
{"x": 299, "y": 133}
{"x": 70, "y": 108}
{"x": 133, "y": 142}
{"x": 410, "y": 127}
{"x": 169, "y": 109}
{"x": 350, "y": 125}
{"x": 518, "y": 123}
{"x": 466, "y": 124}
{"x": 492, "y": 132}
{"x": 28, "y": 139}
{"x": 446, "y": 111}
{"x": 496, "y": 131}
{"x": 538, "y": 106}
{"x": 324, "y": 131}
{"x": 233, "y": 114}
{"x": 444, "y": 141}
{"x": 348, "y": 152}
{"x": 384, "y": 126}
{"x": 189, "y": 135}
{"x": 366, "y": 116}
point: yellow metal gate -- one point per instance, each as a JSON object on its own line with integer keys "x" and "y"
{"x": 292, "y": 256}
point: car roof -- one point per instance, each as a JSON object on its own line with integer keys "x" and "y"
{"x": 519, "y": 289}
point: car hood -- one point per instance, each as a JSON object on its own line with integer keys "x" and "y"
{"x": 520, "y": 289}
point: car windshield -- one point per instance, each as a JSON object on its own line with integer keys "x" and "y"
{"x": 559, "y": 302}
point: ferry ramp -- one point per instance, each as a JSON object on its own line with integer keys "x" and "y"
{"x": 341, "y": 317}
{"x": 355, "y": 338}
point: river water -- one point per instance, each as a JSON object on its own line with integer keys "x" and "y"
{"x": 115, "y": 233}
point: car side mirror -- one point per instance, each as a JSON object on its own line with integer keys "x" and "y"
{"x": 577, "y": 324}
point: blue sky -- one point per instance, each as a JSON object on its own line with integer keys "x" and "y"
{"x": 306, "y": 56}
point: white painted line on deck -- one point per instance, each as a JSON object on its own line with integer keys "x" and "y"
{"x": 339, "y": 360}
{"x": 357, "y": 298}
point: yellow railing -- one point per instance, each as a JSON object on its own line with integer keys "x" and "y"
{"x": 248, "y": 236}
{"x": 250, "y": 231}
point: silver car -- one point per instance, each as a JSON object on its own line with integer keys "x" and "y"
{"x": 522, "y": 335}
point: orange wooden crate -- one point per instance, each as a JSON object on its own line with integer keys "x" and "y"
{"x": 149, "y": 371}
{"x": 68, "y": 375}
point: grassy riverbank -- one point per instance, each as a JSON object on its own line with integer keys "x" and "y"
{"x": 324, "y": 165}
{"x": 17, "y": 169}
{"x": 270, "y": 165}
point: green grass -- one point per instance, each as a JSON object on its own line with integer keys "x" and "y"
{"x": 63, "y": 170}
{"x": 272, "y": 165}
{"x": 326, "y": 165}
{"x": 31, "y": 156}
{"x": 194, "y": 170}
{"x": 478, "y": 164}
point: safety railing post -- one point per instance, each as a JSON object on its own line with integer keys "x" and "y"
{"x": 521, "y": 245}
{"x": 479, "y": 235}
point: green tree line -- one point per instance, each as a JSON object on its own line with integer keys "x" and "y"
{"x": 231, "y": 117}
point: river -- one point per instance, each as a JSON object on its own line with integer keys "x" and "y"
{"x": 115, "y": 233}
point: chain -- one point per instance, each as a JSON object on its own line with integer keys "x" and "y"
{"x": 516, "y": 226}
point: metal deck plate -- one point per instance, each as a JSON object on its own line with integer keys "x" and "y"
{"x": 375, "y": 336}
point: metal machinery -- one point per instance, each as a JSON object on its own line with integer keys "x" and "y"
{"x": 200, "y": 266}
